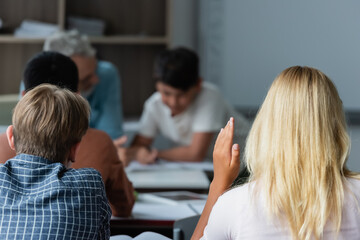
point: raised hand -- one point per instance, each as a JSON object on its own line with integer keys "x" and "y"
{"x": 226, "y": 157}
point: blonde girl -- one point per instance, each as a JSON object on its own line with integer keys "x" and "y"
{"x": 296, "y": 151}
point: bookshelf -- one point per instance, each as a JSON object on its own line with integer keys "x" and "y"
{"x": 136, "y": 30}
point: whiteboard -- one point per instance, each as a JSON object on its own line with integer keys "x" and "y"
{"x": 262, "y": 38}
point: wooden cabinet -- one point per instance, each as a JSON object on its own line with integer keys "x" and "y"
{"x": 136, "y": 30}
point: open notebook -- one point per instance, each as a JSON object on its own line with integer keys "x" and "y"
{"x": 142, "y": 236}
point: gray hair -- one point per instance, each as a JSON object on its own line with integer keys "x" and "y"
{"x": 69, "y": 43}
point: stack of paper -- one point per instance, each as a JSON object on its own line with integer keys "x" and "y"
{"x": 173, "y": 197}
{"x": 169, "y": 179}
{"x": 161, "y": 211}
{"x": 35, "y": 29}
{"x": 166, "y": 165}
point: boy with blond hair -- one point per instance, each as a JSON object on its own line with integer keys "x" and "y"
{"x": 40, "y": 196}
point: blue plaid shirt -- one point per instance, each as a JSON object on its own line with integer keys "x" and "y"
{"x": 44, "y": 200}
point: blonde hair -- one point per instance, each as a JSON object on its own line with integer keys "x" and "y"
{"x": 48, "y": 121}
{"x": 297, "y": 148}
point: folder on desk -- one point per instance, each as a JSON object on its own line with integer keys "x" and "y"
{"x": 161, "y": 211}
{"x": 173, "y": 197}
{"x": 169, "y": 179}
{"x": 162, "y": 164}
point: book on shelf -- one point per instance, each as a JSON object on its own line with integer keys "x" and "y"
{"x": 88, "y": 26}
{"x": 35, "y": 29}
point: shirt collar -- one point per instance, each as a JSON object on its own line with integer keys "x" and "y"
{"x": 31, "y": 160}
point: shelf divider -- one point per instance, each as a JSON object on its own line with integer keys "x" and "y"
{"x": 119, "y": 39}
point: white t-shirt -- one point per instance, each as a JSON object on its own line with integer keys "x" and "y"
{"x": 208, "y": 113}
{"x": 237, "y": 216}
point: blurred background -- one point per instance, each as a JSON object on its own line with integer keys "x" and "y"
{"x": 242, "y": 45}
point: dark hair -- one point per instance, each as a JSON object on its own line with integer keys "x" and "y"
{"x": 53, "y": 68}
{"x": 178, "y": 68}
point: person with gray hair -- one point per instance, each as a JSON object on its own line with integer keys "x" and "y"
{"x": 99, "y": 81}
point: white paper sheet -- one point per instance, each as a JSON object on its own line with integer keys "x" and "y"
{"x": 161, "y": 211}
{"x": 169, "y": 179}
{"x": 163, "y": 164}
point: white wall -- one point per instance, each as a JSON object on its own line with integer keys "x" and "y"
{"x": 184, "y": 24}
{"x": 261, "y": 38}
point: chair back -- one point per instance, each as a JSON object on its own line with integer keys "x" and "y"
{"x": 184, "y": 228}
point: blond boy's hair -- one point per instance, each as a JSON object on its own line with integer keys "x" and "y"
{"x": 297, "y": 150}
{"x": 48, "y": 121}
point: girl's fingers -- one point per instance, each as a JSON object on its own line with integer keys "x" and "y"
{"x": 222, "y": 135}
{"x": 229, "y": 134}
{"x": 225, "y": 131}
{"x": 225, "y": 137}
{"x": 235, "y": 155}
{"x": 218, "y": 139}
{"x": 231, "y": 127}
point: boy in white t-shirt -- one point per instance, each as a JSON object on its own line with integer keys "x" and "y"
{"x": 185, "y": 110}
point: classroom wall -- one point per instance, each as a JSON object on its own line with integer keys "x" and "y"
{"x": 261, "y": 38}
{"x": 244, "y": 44}
{"x": 184, "y": 24}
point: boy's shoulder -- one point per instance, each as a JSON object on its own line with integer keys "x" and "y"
{"x": 209, "y": 95}
{"x": 87, "y": 178}
{"x": 210, "y": 89}
{"x": 154, "y": 100}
